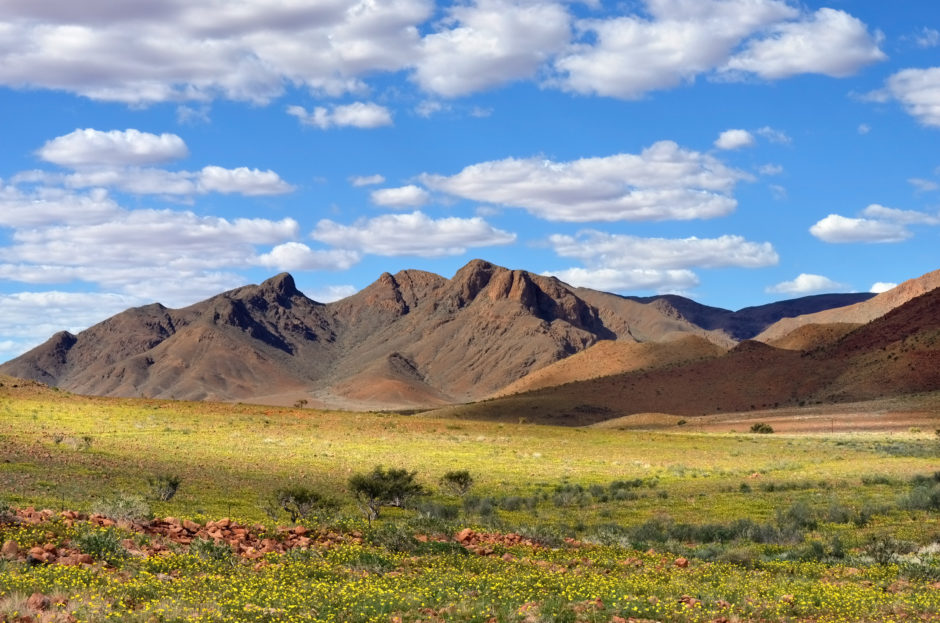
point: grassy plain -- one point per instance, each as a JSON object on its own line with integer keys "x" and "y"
{"x": 823, "y": 527}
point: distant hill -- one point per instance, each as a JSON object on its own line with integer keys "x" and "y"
{"x": 409, "y": 340}
{"x": 746, "y": 323}
{"x": 897, "y": 354}
{"x": 859, "y": 313}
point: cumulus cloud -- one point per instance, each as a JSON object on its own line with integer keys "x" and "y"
{"x": 91, "y": 147}
{"x": 663, "y": 182}
{"x": 298, "y": 256}
{"x": 829, "y": 42}
{"x": 882, "y": 286}
{"x": 410, "y": 196}
{"x": 367, "y": 180}
{"x": 918, "y": 90}
{"x": 490, "y": 42}
{"x": 252, "y": 50}
{"x": 928, "y": 38}
{"x": 364, "y": 115}
{"x": 166, "y": 50}
{"x": 622, "y": 263}
{"x": 631, "y": 55}
{"x": 806, "y": 284}
{"x": 601, "y": 249}
{"x": 836, "y": 228}
{"x": 411, "y": 234}
{"x": 770, "y": 169}
{"x": 241, "y": 180}
{"x": 614, "y": 280}
{"x": 878, "y": 224}
{"x": 47, "y": 206}
{"x": 734, "y": 139}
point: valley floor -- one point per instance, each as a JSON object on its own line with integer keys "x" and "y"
{"x": 691, "y": 522}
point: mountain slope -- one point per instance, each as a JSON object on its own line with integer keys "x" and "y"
{"x": 896, "y": 354}
{"x": 408, "y": 340}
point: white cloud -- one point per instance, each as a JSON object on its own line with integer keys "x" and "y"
{"x": 734, "y": 139}
{"x": 148, "y": 181}
{"x": 836, "y": 228}
{"x": 923, "y": 185}
{"x": 298, "y": 256}
{"x": 46, "y": 206}
{"x": 616, "y": 280}
{"x": 918, "y": 90}
{"x": 427, "y": 108}
{"x": 882, "y": 286}
{"x": 770, "y": 169}
{"x": 91, "y": 147}
{"x": 903, "y": 217}
{"x": 165, "y": 50}
{"x": 774, "y": 136}
{"x": 411, "y": 234}
{"x": 779, "y": 192}
{"x": 365, "y": 115}
{"x": 603, "y": 250}
{"x": 490, "y": 42}
{"x": 622, "y": 263}
{"x": 367, "y": 180}
{"x": 410, "y": 196}
{"x": 806, "y": 284}
{"x": 864, "y": 129}
{"x": 663, "y": 182}
{"x": 328, "y": 294}
{"x": 829, "y": 42}
{"x": 242, "y": 180}
{"x": 141, "y": 246}
{"x": 630, "y": 56}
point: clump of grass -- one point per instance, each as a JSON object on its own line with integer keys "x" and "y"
{"x": 457, "y": 482}
{"x": 124, "y": 507}
{"x": 102, "y": 544}
{"x": 762, "y": 428}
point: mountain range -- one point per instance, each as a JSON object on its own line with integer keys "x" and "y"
{"x": 420, "y": 340}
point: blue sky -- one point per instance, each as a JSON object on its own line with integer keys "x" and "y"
{"x": 734, "y": 151}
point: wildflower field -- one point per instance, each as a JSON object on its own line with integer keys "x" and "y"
{"x": 137, "y": 510}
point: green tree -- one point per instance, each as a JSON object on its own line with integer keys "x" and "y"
{"x": 380, "y": 487}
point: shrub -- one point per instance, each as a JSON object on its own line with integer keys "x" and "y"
{"x": 457, "y": 482}
{"x": 163, "y": 488}
{"x": 379, "y": 488}
{"x": 124, "y": 507}
{"x": 300, "y": 502}
{"x": 207, "y": 549}
{"x": 102, "y": 544}
{"x": 922, "y": 497}
{"x": 761, "y": 428}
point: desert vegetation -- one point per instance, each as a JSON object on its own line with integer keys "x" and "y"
{"x": 300, "y": 515}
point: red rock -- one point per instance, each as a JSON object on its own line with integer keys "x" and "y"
{"x": 10, "y": 549}
{"x": 508, "y": 557}
{"x": 464, "y": 535}
{"x": 38, "y": 602}
{"x": 682, "y": 563}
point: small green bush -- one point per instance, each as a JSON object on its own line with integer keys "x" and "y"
{"x": 301, "y": 502}
{"x": 761, "y": 428}
{"x": 124, "y": 507}
{"x": 164, "y": 487}
{"x": 207, "y": 549}
{"x": 102, "y": 544}
{"x": 380, "y": 487}
{"x": 457, "y": 482}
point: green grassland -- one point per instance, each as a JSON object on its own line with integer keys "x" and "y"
{"x": 775, "y": 527}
